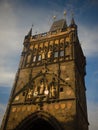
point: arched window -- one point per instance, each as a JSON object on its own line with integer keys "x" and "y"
{"x": 28, "y": 58}
{"x": 55, "y": 54}
{"x": 34, "y": 58}
{"x": 61, "y": 53}
{"x": 39, "y": 57}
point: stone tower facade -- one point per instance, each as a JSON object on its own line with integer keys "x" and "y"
{"x": 49, "y": 87}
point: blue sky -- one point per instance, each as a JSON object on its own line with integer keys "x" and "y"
{"x": 17, "y": 17}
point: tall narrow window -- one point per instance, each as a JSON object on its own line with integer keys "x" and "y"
{"x": 55, "y": 54}
{"x": 39, "y": 57}
{"x": 34, "y": 58}
{"x": 61, "y": 53}
{"x": 28, "y": 58}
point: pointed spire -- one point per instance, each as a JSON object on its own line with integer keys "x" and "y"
{"x": 73, "y": 23}
{"x": 65, "y": 23}
{"x": 64, "y": 14}
{"x": 30, "y": 33}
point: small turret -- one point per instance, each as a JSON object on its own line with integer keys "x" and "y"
{"x": 73, "y": 25}
{"x": 29, "y": 34}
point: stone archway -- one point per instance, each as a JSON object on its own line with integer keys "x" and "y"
{"x": 38, "y": 121}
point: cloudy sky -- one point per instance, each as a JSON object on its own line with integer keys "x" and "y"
{"x": 16, "y": 19}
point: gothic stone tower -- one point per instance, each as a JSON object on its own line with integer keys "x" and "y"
{"x": 49, "y": 88}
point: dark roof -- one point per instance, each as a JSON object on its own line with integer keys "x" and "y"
{"x": 58, "y": 25}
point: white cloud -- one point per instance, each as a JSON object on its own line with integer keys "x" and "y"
{"x": 93, "y": 115}
{"x": 6, "y": 78}
{"x": 9, "y": 44}
{"x": 89, "y": 40}
{"x": 13, "y": 29}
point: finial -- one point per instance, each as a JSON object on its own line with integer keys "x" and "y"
{"x": 54, "y": 17}
{"x": 65, "y": 13}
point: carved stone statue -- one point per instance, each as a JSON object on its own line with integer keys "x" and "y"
{"x": 49, "y": 54}
{"x": 30, "y": 92}
{"x": 41, "y": 88}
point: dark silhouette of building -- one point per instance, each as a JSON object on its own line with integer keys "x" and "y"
{"x": 49, "y": 87}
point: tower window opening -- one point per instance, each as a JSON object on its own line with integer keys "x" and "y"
{"x": 61, "y": 53}
{"x": 61, "y": 45}
{"x": 55, "y": 54}
{"x": 34, "y": 58}
{"x": 61, "y": 89}
{"x": 28, "y": 58}
{"x": 39, "y": 57}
